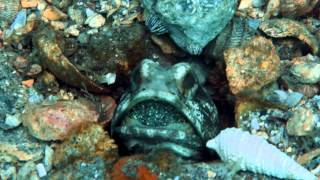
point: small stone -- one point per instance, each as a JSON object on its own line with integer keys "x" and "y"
{"x": 289, "y": 150}
{"x": 34, "y": 70}
{"x": 255, "y": 124}
{"x": 28, "y": 83}
{"x": 245, "y": 4}
{"x": 306, "y": 69}
{"x": 42, "y": 5}
{"x": 29, "y": 3}
{"x": 13, "y": 121}
{"x": 72, "y": 30}
{"x": 211, "y": 174}
{"x": 20, "y": 63}
{"x": 109, "y": 78}
{"x": 302, "y": 122}
{"x": 53, "y": 14}
{"x": 41, "y": 170}
{"x": 58, "y": 25}
{"x": 92, "y": 31}
{"x": 57, "y": 121}
{"x": 95, "y": 21}
{"x": 48, "y": 158}
{"x": 262, "y": 134}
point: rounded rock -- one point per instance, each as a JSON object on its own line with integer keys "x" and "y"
{"x": 57, "y": 121}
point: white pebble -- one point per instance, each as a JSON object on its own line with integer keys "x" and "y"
{"x": 42, "y": 172}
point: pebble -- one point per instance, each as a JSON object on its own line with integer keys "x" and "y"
{"x": 53, "y": 14}
{"x": 19, "y": 22}
{"x": 42, "y": 5}
{"x": 28, "y": 83}
{"x": 72, "y": 30}
{"x": 58, "y": 25}
{"x": 302, "y": 122}
{"x": 29, "y": 3}
{"x": 41, "y": 170}
{"x": 95, "y": 21}
{"x": 306, "y": 69}
{"x": 255, "y": 124}
{"x": 13, "y": 121}
{"x": 262, "y": 134}
{"x": 92, "y": 31}
{"x": 48, "y": 158}
{"x": 289, "y": 150}
{"x": 109, "y": 78}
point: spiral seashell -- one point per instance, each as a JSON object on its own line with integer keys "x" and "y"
{"x": 255, "y": 154}
{"x": 8, "y": 10}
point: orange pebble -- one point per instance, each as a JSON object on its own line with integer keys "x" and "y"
{"x": 53, "y": 14}
{"x": 29, "y": 3}
{"x": 28, "y": 83}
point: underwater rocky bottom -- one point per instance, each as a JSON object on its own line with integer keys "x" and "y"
{"x": 170, "y": 89}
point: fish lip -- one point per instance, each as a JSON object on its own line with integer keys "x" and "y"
{"x": 160, "y": 135}
{"x": 129, "y": 102}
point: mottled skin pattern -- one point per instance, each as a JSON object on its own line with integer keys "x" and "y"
{"x": 165, "y": 108}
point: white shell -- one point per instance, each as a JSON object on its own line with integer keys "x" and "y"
{"x": 255, "y": 154}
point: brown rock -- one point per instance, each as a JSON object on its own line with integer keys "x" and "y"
{"x": 28, "y": 83}
{"x": 53, "y": 14}
{"x": 250, "y": 68}
{"x": 29, "y": 3}
{"x": 57, "y": 121}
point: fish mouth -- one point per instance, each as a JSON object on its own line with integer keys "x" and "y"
{"x": 145, "y": 139}
{"x": 155, "y": 124}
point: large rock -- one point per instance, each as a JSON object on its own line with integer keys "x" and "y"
{"x": 59, "y": 120}
{"x": 191, "y": 24}
{"x": 252, "y": 67}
